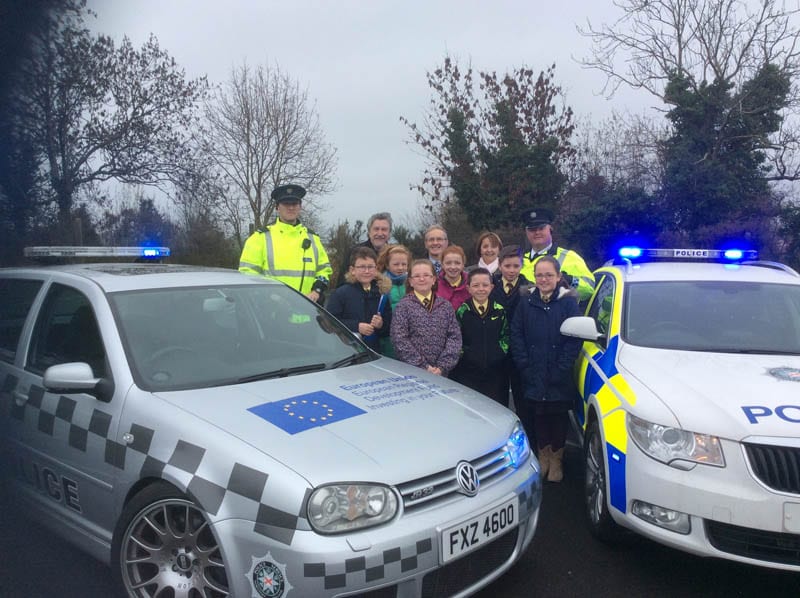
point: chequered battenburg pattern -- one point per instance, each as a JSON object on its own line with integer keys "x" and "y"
{"x": 87, "y": 433}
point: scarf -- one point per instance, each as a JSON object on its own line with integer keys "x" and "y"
{"x": 492, "y": 267}
{"x": 397, "y": 279}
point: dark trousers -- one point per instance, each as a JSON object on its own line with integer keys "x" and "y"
{"x": 512, "y": 380}
{"x": 549, "y": 422}
{"x": 488, "y": 382}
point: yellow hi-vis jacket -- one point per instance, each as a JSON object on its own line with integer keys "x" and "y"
{"x": 571, "y": 263}
{"x": 290, "y": 253}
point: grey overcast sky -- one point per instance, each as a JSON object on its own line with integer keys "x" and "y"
{"x": 364, "y": 62}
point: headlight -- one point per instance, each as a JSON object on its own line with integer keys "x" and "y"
{"x": 517, "y": 446}
{"x": 345, "y": 507}
{"x": 668, "y": 444}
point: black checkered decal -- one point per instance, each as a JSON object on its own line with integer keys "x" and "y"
{"x": 391, "y": 563}
{"x": 186, "y": 457}
{"x": 76, "y": 436}
{"x": 526, "y": 502}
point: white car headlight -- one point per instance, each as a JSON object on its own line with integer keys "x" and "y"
{"x": 667, "y": 444}
{"x": 517, "y": 446}
{"x": 345, "y": 507}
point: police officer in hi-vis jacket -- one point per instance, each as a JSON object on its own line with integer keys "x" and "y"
{"x": 539, "y": 230}
{"x": 286, "y": 250}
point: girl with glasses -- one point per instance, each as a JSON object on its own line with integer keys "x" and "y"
{"x": 545, "y": 360}
{"x": 425, "y": 332}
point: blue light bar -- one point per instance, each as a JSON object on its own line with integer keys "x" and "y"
{"x": 630, "y": 252}
{"x": 155, "y": 252}
{"x": 733, "y": 254}
{"x": 89, "y": 251}
{"x": 689, "y": 253}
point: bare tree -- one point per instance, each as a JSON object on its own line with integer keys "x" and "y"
{"x": 623, "y": 149}
{"x": 97, "y": 112}
{"x": 726, "y": 42}
{"x": 265, "y": 131}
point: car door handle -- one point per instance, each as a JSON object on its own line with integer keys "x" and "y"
{"x": 20, "y": 397}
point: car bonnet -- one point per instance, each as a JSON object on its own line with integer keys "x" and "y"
{"x": 729, "y": 395}
{"x": 383, "y": 421}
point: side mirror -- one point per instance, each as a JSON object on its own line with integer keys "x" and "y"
{"x": 581, "y": 327}
{"x": 67, "y": 378}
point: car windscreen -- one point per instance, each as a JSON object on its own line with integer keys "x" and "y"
{"x": 719, "y": 316}
{"x": 197, "y": 337}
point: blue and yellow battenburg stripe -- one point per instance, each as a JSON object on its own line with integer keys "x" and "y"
{"x": 598, "y": 377}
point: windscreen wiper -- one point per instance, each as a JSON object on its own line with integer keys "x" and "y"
{"x": 357, "y": 358}
{"x": 283, "y": 372}
{"x": 748, "y": 351}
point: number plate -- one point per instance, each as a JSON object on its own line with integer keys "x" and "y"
{"x": 473, "y": 533}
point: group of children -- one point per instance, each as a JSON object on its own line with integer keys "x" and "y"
{"x": 459, "y": 324}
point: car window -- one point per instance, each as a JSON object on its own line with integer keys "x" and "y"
{"x": 722, "y": 316}
{"x": 16, "y": 298}
{"x": 194, "y": 337}
{"x": 66, "y": 331}
{"x": 601, "y": 306}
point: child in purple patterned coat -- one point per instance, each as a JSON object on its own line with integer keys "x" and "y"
{"x": 424, "y": 331}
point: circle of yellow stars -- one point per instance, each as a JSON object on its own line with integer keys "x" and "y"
{"x": 290, "y": 407}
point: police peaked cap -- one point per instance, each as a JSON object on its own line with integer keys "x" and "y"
{"x": 533, "y": 217}
{"x": 288, "y": 193}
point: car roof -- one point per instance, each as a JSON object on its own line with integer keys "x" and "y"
{"x": 113, "y": 277}
{"x": 671, "y": 271}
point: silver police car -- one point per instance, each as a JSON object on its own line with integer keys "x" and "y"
{"x": 211, "y": 434}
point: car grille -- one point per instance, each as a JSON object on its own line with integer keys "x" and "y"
{"x": 439, "y": 487}
{"x": 470, "y": 569}
{"x": 776, "y": 466}
{"x": 774, "y": 547}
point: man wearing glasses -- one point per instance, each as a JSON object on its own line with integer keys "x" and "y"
{"x": 539, "y": 230}
{"x": 436, "y": 242}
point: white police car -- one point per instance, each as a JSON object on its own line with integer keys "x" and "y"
{"x": 690, "y": 379}
{"x": 212, "y": 434}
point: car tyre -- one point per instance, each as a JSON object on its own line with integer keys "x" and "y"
{"x": 163, "y": 545}
{"x": 601, "y": 524}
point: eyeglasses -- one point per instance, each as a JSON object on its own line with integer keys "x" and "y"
{"x": 436, "y": 239}
{"x": 545, "y": 275}
{"x": 365, "y": 268}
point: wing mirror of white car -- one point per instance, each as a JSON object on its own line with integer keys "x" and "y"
{"x": 66, "y": 378}
{"x": 581, "y": 327}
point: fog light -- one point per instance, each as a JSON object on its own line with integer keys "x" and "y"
{"x": 674, "y": 521}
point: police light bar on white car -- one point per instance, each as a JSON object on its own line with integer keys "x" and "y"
{"x": 82, "y": 251}
{"x": 688, "y": 253}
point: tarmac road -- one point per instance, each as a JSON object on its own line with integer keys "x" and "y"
{"x": 563, "y": 561}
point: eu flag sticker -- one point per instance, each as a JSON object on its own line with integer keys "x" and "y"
{"x": 303, "y": 412}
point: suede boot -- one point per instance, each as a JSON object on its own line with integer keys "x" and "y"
{"x": 545, "y": 454}
{"x": 556, "y": 472}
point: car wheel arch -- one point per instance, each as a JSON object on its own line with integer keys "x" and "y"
{"x": 146, "y": 494}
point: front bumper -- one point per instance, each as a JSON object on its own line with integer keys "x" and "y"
{"x": 732, "y": 515}
{"x": 402, "y": 558}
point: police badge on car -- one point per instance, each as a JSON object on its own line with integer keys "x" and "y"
{"x": 786, "y": 373}
{"x": 268, "y": 578}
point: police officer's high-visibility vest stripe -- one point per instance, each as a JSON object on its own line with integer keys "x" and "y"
{"x": 290, "y": 253}
{"x": 570, "y": 262}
